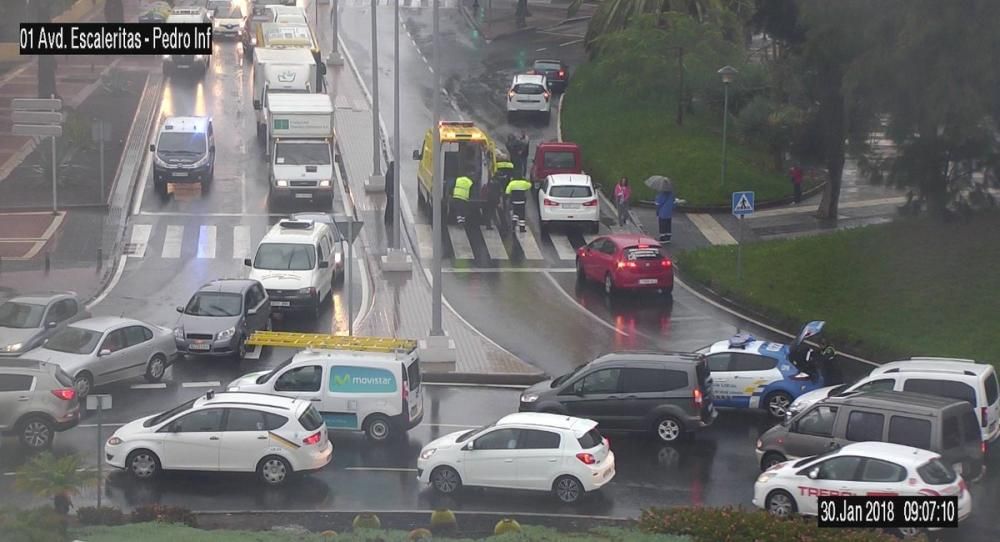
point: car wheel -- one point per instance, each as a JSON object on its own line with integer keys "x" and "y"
{"x": 581, "y": 276}
{"x": 36, "y": 434}
{"x": 83, "y": 383}
{"x": 378, "y": 428}
{"x": 273, "y": 470}
{"x": 155, "y": 368}
{"x": 609, "y": 284}
{"x": 777, "y": 404}
{"x": 669, "y": 429}
{"x": 667, "y": 293}
{"x": 142, "y": 464}
{"x": 779, "y": 503}
{"x": 567, "y": 489}
{"x": 446, "y": 480}
{"x": 771, "y": 459}
{"x": 240, "y": 351}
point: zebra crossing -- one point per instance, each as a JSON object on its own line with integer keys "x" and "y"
{"x": 403, "y": 4}
{"x": 204, "y": 241}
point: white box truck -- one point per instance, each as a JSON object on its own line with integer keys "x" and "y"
{"x": 300, "y": 137}
{"x": 281, "y": 71}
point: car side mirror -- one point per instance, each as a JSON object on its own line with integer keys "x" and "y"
{"x": 469, "y": 447}
{"x": 813, "y": 474}
{"x": 104, "y": 352}
{"x": 180, "y": 308}
{"x": 152, "y": 148}
{"x": 251, "y": 312}
{"x": 248, "y": 262}
{"x": 50, "y": 325}
{"x": 256, "y": 104}
{"x": 324, "y": 264}
{"x": 416, "y": 155}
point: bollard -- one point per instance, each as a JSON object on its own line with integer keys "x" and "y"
{"x": 100, "y": 258}
{"x": 48, "y": 264}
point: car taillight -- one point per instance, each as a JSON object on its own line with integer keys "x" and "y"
{"x": 406, "y": 391}
{"x": 698, "y": 398}
{"x": 510, "y": 95}
{"x": 961, "y": 486}
{"x": 549, "y": 203}
{"x": 562, "y": 73}
{"x": 587, "y": 459}
{"x": 607, "y": 442}
{"x": 982, "y": 447}
{"x": 984, "y": 416}
{"x": 66, "y": 394}
{"x": 546, "y": 95}
{"x": 666, "y": 263}
{"x": 313, "y": 438}
{"x": 591, "y": 203}
{"x": 630, "y": 265}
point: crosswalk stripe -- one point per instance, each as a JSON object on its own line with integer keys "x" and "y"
{"x": 425, "y": 240}
{"x": 241, "y": 242}
{"x": 529, "y": 246}
{"x": 494, "y": 244}
{"x": 460, "y": 243}
{"x": 563, "y": 247}
{"x": 206, "y": 242}
{"x": 140, "y": 239}
{"x": 172, "y": 242}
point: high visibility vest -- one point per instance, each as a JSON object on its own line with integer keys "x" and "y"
{"x": 505, "y": 165}
{"x": 463, "y": 188}
{"x": 518, "y": 185}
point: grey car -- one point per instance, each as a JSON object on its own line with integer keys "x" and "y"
{"x": 221, "y": 316}
{"x": 37, "y": 399}
{"x": 106, "y": 349}
{"x": 27, "y": 320}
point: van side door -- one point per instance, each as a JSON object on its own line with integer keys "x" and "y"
{"x": 812, "y": 433}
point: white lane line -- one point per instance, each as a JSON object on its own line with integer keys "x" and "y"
{"x": 425, "y": 241}
{"x": 221, "y": 215}
{"x": 494, "y": 244}
{"x": 563, "y": 247}
{"x": 111, "y": 285}
{"x": 206, "y": 242}
{"x": 582, "y": 309}
{"x": 540, "y": 49}
{"x": 172, "y": 242}
{"x": 154, "y": 386}
{"x": 529, "y": 246}
{"x": 105, "y": 424}
{"x": 472, "y": 270}
{"x": 241, "y": 242}
{"x": 568, "y": 43}
{"x": 460, "y": 243}
{"x": 212, "y": 384}
{"x": 711, "y": 229}
{"x": 139, "y": 239}
{"x": 381, "y": 469}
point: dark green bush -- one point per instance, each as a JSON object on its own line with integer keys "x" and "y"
{"x": 105, "y": 515}
{"x": 164, "y": 514}
{"x": 36, "y": 525}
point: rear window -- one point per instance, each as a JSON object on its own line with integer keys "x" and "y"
{"x": 547, "y": 66}
{"x": 942, "y": 388}
{"x": 970, "y": 428}
{"x": 559, "y": 159}
{"x": 564, "y": 191}
{"x": 413, "y": 374}
{"x": 701, "y": 370}
{"x": 936, "y": 473}
{"x": 591, "y": 439}
{"x": 992, "y": 393}
{"x": 643, "y": 253}
{"x": 529, "y": 88}
{"x": 910, "y": 432}
{"x": 311, "y": 419}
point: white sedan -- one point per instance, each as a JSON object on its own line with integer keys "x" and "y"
{"x": 569, "y": 198}
{"x": 545, "y": 452}
{"x": 864, "y": 468}
{"x": 529, "y": 93}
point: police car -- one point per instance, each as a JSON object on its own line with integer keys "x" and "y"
{"x": 749, "y": 373}
{"x": 864, "y": 468}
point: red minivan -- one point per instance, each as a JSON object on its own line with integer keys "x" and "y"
{"x": 625, "y": 261}
{"x": 554, "y": 157}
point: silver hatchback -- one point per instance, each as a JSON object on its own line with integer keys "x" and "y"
{"x": 221, "y": 316}
{"x": 37, "y": 399}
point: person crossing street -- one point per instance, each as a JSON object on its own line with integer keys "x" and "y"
{"x": 495, "y": 189}
{"x": 517, "y": 196}
{"x": 460, "y": 197}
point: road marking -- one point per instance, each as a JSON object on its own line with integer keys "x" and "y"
{"x": 507, "y": 270}
{"x": 212, "y": 384}
{"x": 253, "y": 352}
{"x": 105, "y": 424}
{"x": 494, "y": 244}
{"x": 206, "y": 242}
{"x": 381, "y": 469}
{"x": 221, "y": 215}
{"x": 582, "y": 309}
{"x": 140, "y": 238}
{"x": 528, "y": 245}
{"x": 460, "y": 243}
{"x": 541, "y": 49}
{"x": 568, "y": 43}
{"x": 241, "y": 242}
{"x": 425, "y": 241}
{"x": 154, "y": 386}
{"x": 563, "y": 247}
{"x": 711, "y": 229}
{"x": 172, "y": 242}
{"x": 895, "y": 200}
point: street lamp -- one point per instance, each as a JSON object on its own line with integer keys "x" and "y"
{"x": 728, "y": 74}
{"x": 376, "y": 183}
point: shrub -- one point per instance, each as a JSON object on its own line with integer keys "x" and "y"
{"x": 734, "y": 525}
{"x": 37, "y": 525}
{"x": 419, "y": 534}
{"x": 366, "y": 520}
{"x": 506, "y": 526}
{"x": 328, "y": 534}
{"x": 105, "y": 515}
{"x": 164, "y": 514}
{"x": 443, "y": 521}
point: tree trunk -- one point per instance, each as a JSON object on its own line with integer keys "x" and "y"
{"x": 61, "y": 503}
{"x": 832, "y": 111}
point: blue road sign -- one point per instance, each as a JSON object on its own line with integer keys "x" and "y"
{"x": 742, "y": 203}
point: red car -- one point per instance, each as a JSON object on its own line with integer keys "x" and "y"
{"x": 625, "y": 261}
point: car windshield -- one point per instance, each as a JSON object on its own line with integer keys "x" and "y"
{"x": 547, "y": 66}
{"x": 562, "y": 379}
{"x": 559, "y": 160}
{"x": 267, "y": 376}
{"x": 570, "y": 191}
{"x": 284, "y": 256}
{"x": 163, "y": 416}
{"x": 468, "y": 434}
{"x": 839, "y": 390}
{"x": 181, "y": 142}
{"x": 529, "y": 88}
{"x": 231, "y": 12}
{"x": 74, "y": 340}
{"x": 214, "y": 304}
{"x": 302, "y": 154}
{"x": 21, "y": 315}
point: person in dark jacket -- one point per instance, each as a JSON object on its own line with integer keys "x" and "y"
{"x": 665, "y": 214}
{"x": 390, "y": 191}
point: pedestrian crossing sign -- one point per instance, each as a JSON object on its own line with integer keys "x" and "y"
{"x": 742, "y": 203}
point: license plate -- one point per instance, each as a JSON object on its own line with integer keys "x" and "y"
{"x": 647, "y": 281}
{"x": 303, "y": 196}
{"x": 200, "y": 346}
{"x": 571, "y": 206}
{"x": 279, "y": 303}
{"x": 180, "y": 174}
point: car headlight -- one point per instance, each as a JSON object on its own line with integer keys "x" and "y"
{"x": 226, "y": 334}
{"x": 529, "y": 397}
{"x": 179, "y": 333}
{"x": 426, "y": 454}
{"x": 765, "y": 477}
{"x": 307, "y": 291}
{"x": 199, "y": 57}
{"x": 325, "y": 183}
{"x": 760, "y": 445}
{"x": 12, "y": 347}
{"x": 114, "y": 441}
{"x": 201, "y": 161}
{"x": 281, "y": 183}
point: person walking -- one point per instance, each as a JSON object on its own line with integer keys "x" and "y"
{"x": 623, "y": 194}
{"x": 795, "y": 174}
{"x": 495, "y": 189}
{"x": 390, "y": 191}
{"x": 460, "y": 197}
{"x": 665, "y": 214}
{"x": 517, "y": 196}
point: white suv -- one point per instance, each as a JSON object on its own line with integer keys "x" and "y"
{"x": 296, "y": 262}
{"x": 569, "y": 197}
{"x": 271, "y": 435}
{"x": 528, "y": 450}
{"x": 529, "y": 93}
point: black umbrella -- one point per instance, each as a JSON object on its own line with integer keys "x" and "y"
{"x": 660, "y": 183}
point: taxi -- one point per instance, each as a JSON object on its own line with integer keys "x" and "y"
{"x": 864, "y": 468}
{"x": 749, "y": 373}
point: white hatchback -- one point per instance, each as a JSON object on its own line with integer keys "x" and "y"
{"x": 529, "y": 93}
{"x": 528, "y": 451}
{"x": 271, "y": 435}
{"x": 569, "y": 197}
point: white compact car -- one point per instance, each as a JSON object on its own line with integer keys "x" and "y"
{"x": 528, "y": 450}
{"x": 296, "y": 263}
{"x": 569, "y": 197}
{"x": 229, "y": 432}
{"x": 529, "y": 94}
{"x": 229, "y": 20}
{"x": 865, "y": 468}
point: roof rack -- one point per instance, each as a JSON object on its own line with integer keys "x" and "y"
{"x": 293, "y": 224}
{"x": 320, "y": 341}
{"x": 932, "y": 358}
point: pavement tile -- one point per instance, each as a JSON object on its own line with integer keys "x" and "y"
{"x": 15, "y": 249}
{"x": 24, "y": 225}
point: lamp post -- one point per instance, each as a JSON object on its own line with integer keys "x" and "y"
{"x": 728, "y": 74}
{"x": 376, "y": 181}
{"x": 334, "y": 58}
{"x": 437, "y": 191}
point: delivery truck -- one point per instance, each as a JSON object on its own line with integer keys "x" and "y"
{"x": 281, "y": 71}
{"x": 300, "y": 142}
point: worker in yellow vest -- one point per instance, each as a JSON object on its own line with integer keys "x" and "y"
{"x": 517, "y": 196}
{"x": 460, "y": 197}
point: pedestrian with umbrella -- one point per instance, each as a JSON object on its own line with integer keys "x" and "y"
{"x": 664, "y": 204}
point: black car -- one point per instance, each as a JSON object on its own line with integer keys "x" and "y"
{"x": 184, "y": 152}
{"x": 555, "y": 72}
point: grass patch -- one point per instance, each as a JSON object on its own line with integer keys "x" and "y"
{"x": 912, "y": 287}
{"x": 638, "y": 138}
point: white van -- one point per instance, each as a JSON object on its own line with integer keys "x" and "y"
{"x": 375, "y": 392}
{"x": 295, "y": 262}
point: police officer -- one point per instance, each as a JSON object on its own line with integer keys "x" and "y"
{"x": 517, "y": 195}
{"x": 460, "y": 197}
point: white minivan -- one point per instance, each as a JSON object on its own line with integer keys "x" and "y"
{"x": 375, "y": 392}
{"x": 295, "y": 262}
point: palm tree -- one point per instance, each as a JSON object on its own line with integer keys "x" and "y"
{"x": 58, "y": 478}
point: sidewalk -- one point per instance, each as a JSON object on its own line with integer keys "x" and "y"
{"x": 495, "y": 19}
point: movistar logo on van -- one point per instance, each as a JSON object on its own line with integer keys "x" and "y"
{"x": 361, "y": 380}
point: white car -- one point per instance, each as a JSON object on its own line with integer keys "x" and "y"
{"x": 526, "y": 451}
{"x": 529, "y": 93}
{"x": 229, "y": 432}
{"x": 569, "y": 197}
{"x": 229, "y": 20}
{"x": 296, "y": 263}
{"x": 864, "y": 468}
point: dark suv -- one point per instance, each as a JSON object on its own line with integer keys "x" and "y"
{"x": 668, "y": 394}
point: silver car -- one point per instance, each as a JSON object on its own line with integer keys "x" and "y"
{"x": 221, "y": 316}
{"x": 27, "y": 320}
{"x": 106, "y": 349}
{"x": 36, "y": 401}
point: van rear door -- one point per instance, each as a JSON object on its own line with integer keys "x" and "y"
{"x": 413, "y": 396}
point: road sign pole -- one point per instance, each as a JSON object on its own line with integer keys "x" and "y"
{"x": 739, "y": 255}
{"x": 55, "y": 207}
{"x": 100, "y": 147}
{"x": 349, "y": 265}
{"x": 437, "y": 181}
{"x": 100, "y": 452}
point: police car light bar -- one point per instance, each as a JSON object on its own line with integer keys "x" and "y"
{"x": 741, "y": 340}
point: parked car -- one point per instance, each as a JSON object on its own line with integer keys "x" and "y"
{"x": 27, "y": 320}
{"x": 37, "y": 400}
{"x": 528, "y": 451}
{"x": 221, "y": 316}
{"x": 272, "y": 436}
{"x": 529, "y": 94}
{"x": 569, "y": 198}
{"x": 666, "y": 394}
{"x": 625, "y": 261}
{"x": 106, "y": 349}
{"x": 556, "y": 73}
